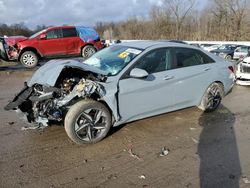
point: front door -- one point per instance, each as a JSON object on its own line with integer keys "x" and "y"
{"x": 139, "y": 98}
{"x": 52, "y": 44}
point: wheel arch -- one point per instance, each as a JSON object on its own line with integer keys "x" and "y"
{"x": 29, "y": 49}
{"x": 88, "y": 44}
{"x": 98, "y": 98}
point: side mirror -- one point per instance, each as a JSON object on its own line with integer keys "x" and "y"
{"x": 138, "y": 73}
{"x": 43, "y": 36}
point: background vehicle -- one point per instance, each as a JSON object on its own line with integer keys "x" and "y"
{"x": 213, "y": 47}
{"x": 241, "y": 52}
{"x": 123, "y": 83}
{"x": 226, "y": 51}
{"x": 243, "y": 72}
{"x": 54, "y": 42}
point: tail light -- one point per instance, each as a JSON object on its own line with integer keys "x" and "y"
{"x": 231, "y": 68}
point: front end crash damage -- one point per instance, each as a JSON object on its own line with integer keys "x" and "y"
{"x": 8, "y": 51}
{"x": 56, "y": 86}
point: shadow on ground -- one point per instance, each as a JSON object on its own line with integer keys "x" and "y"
{"x": 218, "y": 151}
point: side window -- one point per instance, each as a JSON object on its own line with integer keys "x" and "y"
{"x": 185, "y": 57}
{"x": 54, "y": 34}
{"x": 155, "y": 61}
{"x": 69, "y": 32}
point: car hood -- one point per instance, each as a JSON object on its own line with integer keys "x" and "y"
{"x": 11, "y": 41}
{"x": 48, "y": 73}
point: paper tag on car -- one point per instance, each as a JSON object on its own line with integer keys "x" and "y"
{"x": 133, "y": 51}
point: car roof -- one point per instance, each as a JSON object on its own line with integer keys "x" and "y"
{"x": 147, "y": 44}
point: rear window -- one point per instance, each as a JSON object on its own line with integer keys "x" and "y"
{"x": 69, "y": 32}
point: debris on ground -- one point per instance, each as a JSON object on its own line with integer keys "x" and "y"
{"x": 142, "y": 177}
{"x": 11, "y": 123}
{"x": 192, "y": 128}
{"x": 134, "y": 155}
{"x": 195, "y": 141}
{"x": 245, "y": 180}
{"x": 112, "y": 176}
{"x": 30, "y": 128}
{"x": 164, "y": 152}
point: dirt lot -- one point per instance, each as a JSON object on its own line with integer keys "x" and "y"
{"x": 205, "y": 150}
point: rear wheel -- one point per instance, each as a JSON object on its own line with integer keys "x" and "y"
{"x": 229, "y": 57}
{"x": 212, "y": 98}
{"x": 29, "y": 59}
{"x": 87, "y": 121}
{"x": 88, "y": 51}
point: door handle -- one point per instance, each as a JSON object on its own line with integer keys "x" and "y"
{"x": 206, "y": 69}
{"x": 168, "y": 77}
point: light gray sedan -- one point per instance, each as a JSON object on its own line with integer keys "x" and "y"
{"x": 123, "y": 83}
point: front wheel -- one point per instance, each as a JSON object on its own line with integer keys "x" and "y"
{"x": 29, "y": 59}
{"x": 88, "y": 51}
{"x": 212, "y": 98}
{"x": 87, "y": 121}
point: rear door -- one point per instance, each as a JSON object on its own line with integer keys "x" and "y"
{"x": 71, "y": 41}
{"x": 194, "y": 72}
{"x": 52, "y": 45}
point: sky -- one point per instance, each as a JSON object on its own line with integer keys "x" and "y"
{"x": 73, "y": 12}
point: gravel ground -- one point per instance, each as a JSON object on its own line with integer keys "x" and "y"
{"x": 205, "y": 150}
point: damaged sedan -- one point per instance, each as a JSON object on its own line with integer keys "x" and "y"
{"x": 121, "y": 84}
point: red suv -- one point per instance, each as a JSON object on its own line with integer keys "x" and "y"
{"x": 53, "y": 42}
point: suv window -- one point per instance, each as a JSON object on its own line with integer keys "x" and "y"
{"x": 185, "y": 57}
{"x": 54, "y": 34}
{"x": 155, "y": 61}
{"x": 69, "y": 32}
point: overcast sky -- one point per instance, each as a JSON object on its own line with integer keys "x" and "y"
{"x": 72, "y": 12}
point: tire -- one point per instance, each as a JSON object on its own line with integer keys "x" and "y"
{"x": 29, "y": 59}
{"x": 88, "y": 51}
{"x": 94, "y": 119}
{"x": 228, "y": 57}
{"x": 212, "y": 98}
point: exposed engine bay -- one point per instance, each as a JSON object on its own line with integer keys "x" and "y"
{"x": 43, "y": 103}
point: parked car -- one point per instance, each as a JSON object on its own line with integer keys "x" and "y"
{"x": 53, "y": 42}
{"x": 213, "y": 47}
{"x": 241, "y": 52}
{"x": 226, "y": 51}
{"x": 243, "y": 72}
{"x": 123, "y": 83}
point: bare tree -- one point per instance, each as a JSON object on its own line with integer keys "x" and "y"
{"x": 180, "y": 9}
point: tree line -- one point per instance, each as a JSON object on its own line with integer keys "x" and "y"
{"x": 173, "y": 19}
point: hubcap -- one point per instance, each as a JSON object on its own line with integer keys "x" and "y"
{"x": 29, "y": 59}
{"x": 214, "y": 98}
{"x": 91, "y": 124}
{"x": 89, "y": 51}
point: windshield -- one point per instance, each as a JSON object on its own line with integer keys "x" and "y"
{"x": 113, "y": 59}
{"x": 36, "y": 34}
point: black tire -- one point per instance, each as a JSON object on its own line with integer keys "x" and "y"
{"x": 29, "y": 59}
{"x": 228, "y": 57}
{"x": 88, "y": 51}
{"x": 82, "y": 124}
{"x": 212, "y": 98}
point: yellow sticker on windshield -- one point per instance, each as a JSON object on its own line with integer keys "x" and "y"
{"x": 123, "y": 55}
